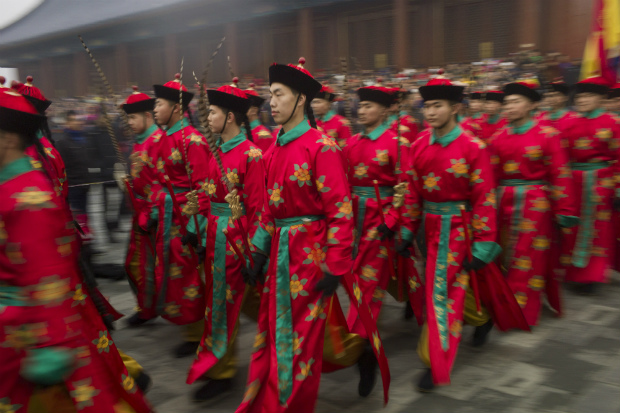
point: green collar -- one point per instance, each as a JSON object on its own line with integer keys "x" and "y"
{"x": 492, "y": 120}
{"x": 520, "y": 130}
{"x": 594, "y": 114}
{"x": 142, "y": 137}
{"x": 288, "y": 137}
{"x": 558, "y": 114}
{"x": 477, "y": 115}
{"x": 177, "y": 126}
{"x": 254, "y": 124}
{"x": 403, "y": 113}
{"x": 15, "y": 168}
{"x": 328, "y": 116}
{"x": 392, "y": 118}
{"x": 378, "y": 131}
{"x": 231, "y": 144}
{"x": 39, "y": 134}
{"x": 448, "y": 138}
{"x": 459, "y": 118}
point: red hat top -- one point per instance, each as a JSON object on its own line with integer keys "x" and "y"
{"x": 594, "y": 84}
{"x": 255, "y": 99}
{"x": 614, "y": 92}
{"x": 326, "y": 93}
{"x": 229, "y": 97}
{"x": 295, "y": 77}
{"x": 18, "y": 114}
{"x": 441, "y": 88}
{"x": 33, "y": 94}
{"x": 138, "y": 102}
{"x": 172, "y": 89}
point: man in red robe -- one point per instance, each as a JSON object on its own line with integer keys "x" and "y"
{"x": 593, "y": 144}
{"x": 261, "y": 135}
{"x": 181, "y": 215}
{"x": 56, "y": 353}
{"x": 145, "y": 188}
{"x": 493, "y": 120}
{"x": 327, "y": 120}
{"x": 535, "y": 190}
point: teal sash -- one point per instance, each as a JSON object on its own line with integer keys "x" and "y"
{"x": 365, "y": 193}
{"x": 219, "y": 329}
{"x": 284, "y": 317}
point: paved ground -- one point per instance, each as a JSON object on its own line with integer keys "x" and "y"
{"x": 566, "y": 365}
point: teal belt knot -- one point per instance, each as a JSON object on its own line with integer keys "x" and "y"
{"x": 369, "y": 191}
{"x": 521, "y": 182}
{"x": 589, "y": 166}
{"x": 365, "y": 193}
{"x": 446, "y": 208}
{"x": 12, "y": 296}
{"x": 222, "y": 209}
{"x": 289, "y": 222}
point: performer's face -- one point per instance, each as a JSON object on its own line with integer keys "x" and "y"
{"x": 10, "y": 143}
{"x": 439, "y": 112}
{"x": 283, "y": 102}
{"x": 587, "y": 102}
{"x": 556, "y": 100}
{"x": 163, "y": 111}
{"x": 492, "y": 107}
{"x": 475, "y": 105}
{"x": 137, "y": 122}
{"x": 371, "y": 113}
{"x": 320, "y": 106}
{"x": 217, "y": 118}
{"x": 517, "y": 107}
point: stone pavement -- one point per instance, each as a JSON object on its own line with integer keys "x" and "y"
{"x": 571, "y": 364}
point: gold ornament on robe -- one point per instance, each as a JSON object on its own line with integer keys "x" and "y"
{"x": 191, "y": 207}
{"x": 235, "y": 204}
{"x": 399, "y": 195}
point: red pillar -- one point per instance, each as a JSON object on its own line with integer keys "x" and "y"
{"x": 121, "y": 58}
{"x": 306, "y": 37}
{"x": 400, "y": 34}
{"x": 232, "y": 47}
{"x": 81, "y": 72}
{"x": 172, "y": 61}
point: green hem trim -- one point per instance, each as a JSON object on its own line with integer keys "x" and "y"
{"x": 486, "y": 251}
{"x": 568, "y": 221}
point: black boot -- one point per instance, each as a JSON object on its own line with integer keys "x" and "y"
{"x": 481, "y": 333}
{"x": 212, "y": 389}
{"x": 367, "y": 365}
{"x": 426, "y": 385}
{"x": 135, "y": 320}
{"x": 187, "y": 348}
{"x": 143, "y": 381}
{"x": 408, "y": 311}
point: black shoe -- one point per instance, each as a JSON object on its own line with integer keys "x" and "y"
{"x": 188, "y": 348}
{"x": 481, "y": 333}
{"x": 211, "y": 389}
{"x": 135, "y": 320}
{"x": 586, "y": 289}
{"x": 143, "y": 381}
{"x": 408, "y": 311}
{"x": 109, "y": 271}
{"x": 426, "y": 385}
{"x": 367, "y": 365}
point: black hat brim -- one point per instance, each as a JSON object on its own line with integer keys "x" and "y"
{"x": 475, "y": 96}
{"x": 495, "y": 97}
{"x": 228, "y": 101}
{"x": 614, "y": 93}
{"x": 172, "y": 95}
{"x": 377, "y": 96}
{"x": 40, "y": 105}
{"x": 256, "y": 101}
{"x": 146, "y": 105}
{"x": 591, "y": 88}
{"x": 563, "y": 88}
{"x": 518, "y": 89}
{"x": 295, "y": 79}
{"x": 27, "y": 124}
{"x": 326, "y": 95}
{"x": 442, "y": 92}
